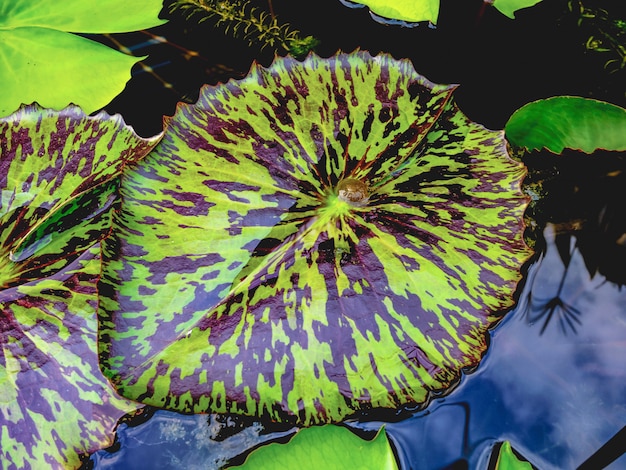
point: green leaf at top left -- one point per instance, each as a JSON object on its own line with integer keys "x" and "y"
{"x": 43, "y": 63}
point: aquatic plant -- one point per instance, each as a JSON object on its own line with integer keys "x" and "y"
{"x": 318, "y": 238}
{"x": 57, "y": 181}
{"x": 241, "y": 20}
{"x": 44, "y": 62}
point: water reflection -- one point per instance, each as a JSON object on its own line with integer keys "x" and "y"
{"x": 553, "y": 383}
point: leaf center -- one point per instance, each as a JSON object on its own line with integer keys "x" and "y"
{"x": 353, "y": 191}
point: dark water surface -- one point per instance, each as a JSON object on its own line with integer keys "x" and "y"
{"x": 553, "y": 383}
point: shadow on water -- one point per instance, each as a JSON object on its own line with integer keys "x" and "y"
{"x": 553, "y": 383}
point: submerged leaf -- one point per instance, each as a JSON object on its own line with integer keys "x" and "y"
{"x": 332, "y": 447}
{"x": 319, "y": 237}
{"x": 568, "y": 122}
{"x": 55, "y": 403}
{"x": 43, "y": 62}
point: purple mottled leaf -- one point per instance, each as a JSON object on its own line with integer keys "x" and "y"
{"x": 318, "y": 238}
{"x": 56, "y": 404}
{"x": 58, "y": 178}
{"x": 48, "y": 162}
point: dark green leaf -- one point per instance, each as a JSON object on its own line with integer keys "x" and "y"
{"x": 568, "y": 122}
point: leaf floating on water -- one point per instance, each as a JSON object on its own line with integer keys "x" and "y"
{"x": 506, "y": 458}
{"x": 405, "y": 12}
{"x": 568, "y": 122}
{"x": 44, "y": 62}
{"x": 57, "y": 172}
{"x": 324, "y": 447}
{"x": 238, "y": 280}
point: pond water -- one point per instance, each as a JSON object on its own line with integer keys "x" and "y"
{"x": 553, "y": 383}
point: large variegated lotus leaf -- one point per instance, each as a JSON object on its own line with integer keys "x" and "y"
{"x": 43, "y": 62}
{"x": 48, "y": 161}
{"x": 55, "y": 404}
{"x": 319, "y": 237}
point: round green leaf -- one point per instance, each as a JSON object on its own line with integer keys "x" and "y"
{"x": 329, "y": 447}
{"x": 250, "y": 271}
{"x": 412, "y": 11}
{"x": 568, "y": 122}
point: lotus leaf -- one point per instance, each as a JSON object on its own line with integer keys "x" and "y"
{"x": 57, "y": 177}
{"x": 324, "y": 447}
{"x": 43, "y": 62}
{"x": 317, "y": 238}
{"x": 568, "y": 122}
{"x": 48, "y": 162}
{"x": 410, "y": 11}
{"x": 56, "y": 404}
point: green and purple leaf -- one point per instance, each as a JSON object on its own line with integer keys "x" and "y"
{"x": 48, "y": 163}
{"x": 56, "y": 405}
{"x": 250, "y": 271}
{"x": 332, "y": 447}
{"x": 58, "y": 186}
{"x": 43, "y": 62}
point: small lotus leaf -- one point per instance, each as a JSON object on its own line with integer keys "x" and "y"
{"x": 58, "y": 187}
{"x": 43, "y": 62}
{"x": 319, "y": 237}
{"x": 324, "y": 447}
{"x": 507, "y": 460}
{"x": 410, "y": 11}
{"x": 568, "y": 122}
